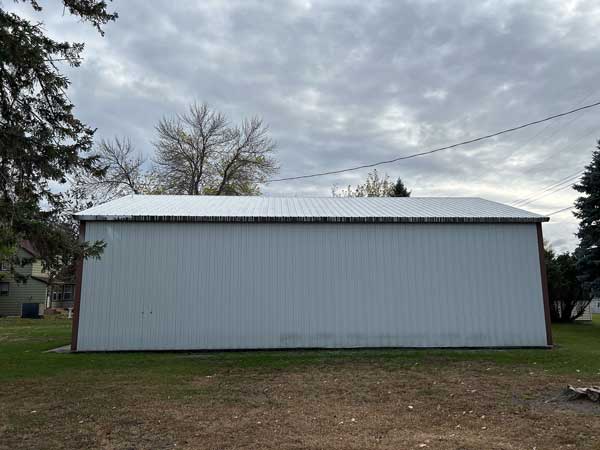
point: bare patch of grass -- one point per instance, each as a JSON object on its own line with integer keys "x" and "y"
{"x": 462, "y": 405}
{"x": 384, "y": 399}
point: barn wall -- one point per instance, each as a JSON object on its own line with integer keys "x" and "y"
{"x": 218, "y": 286}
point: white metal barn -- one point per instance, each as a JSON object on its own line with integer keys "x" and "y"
{"x": 193, "y": 272}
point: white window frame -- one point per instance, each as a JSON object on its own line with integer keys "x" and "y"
{"x": 57, "y": 294}
{"x": 71, "y": 292}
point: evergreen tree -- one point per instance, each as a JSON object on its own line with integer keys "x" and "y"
{"x": 399, "y": 190}
{"x": 568, "y": 299}
{"x": 41, "y": 141}
{"x": 588, "y": 212}
{"x": 374, "y": 186}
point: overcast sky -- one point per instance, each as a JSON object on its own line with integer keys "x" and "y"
{"x": 346, "y": 83}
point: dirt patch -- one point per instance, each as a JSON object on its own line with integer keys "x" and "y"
{"x": 580, "y": 406}
{"x": 564, "y": 401}
{"x": 347, "y": 406}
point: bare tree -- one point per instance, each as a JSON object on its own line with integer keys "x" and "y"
{"x": 245, "y": 160}
{"x": 186, "y": 145}
{"x": 200, "y": 153}
{"x": 123, "y": 173}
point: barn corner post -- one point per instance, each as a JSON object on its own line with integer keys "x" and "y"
{"x": 544, "y": 279}
{"x": 78, "y": 279}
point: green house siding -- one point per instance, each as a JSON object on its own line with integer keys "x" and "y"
{"x": 31, "y": 291}
{"x": 36, "y": 269}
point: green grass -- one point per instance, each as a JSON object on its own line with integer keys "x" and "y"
{"x": 23, "y": 344}
{"x": 292, "y": 399}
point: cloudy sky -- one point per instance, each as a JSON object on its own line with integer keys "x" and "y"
{"x": 343, "y": 83}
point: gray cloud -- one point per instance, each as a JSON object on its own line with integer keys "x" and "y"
{"x": 344, "y": 83}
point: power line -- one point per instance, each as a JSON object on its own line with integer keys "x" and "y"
{"x": 590, "y": 131}
{"x": 560, "y": 210}
{"x": 547, "y": 194}
{"x": 567, "y": 178}
{"x": 429, "y": 152}
{"x": 580, "y": 102}
{"x": 541, "y": 191}
{"x": 575, "y": 118}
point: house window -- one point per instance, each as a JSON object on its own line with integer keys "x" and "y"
{"x": 4, "y": 266}
{"x": 4, "y": 287}
{"x": 68, "y": 292}
{"x": 57, "y": 294}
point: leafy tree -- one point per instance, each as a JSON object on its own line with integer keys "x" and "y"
{"x": 200, "y": 152}
{"x": 400, "y": 190}
{"x": 41, "y": 141}
{"x": 588, "y": 212}
{"x": 568, "y": 298}
{"x": 374, "y": 186}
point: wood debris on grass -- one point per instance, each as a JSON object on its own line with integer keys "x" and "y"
{"x": 571, "y": 393}
{"x": 575, "y": 393}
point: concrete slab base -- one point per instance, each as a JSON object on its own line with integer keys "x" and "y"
{"x": 63, "y": 349}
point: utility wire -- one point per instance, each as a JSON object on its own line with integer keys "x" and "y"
{"x": 558, "y": 183}
{"x": 540, "y": 191}
{"x": 575, "y": 118}
{"x": 547, "y": 194}
{"x": 429, "y": 152}
{"x": 560, "y": 210}
{"x": 589, "y": 132}
{"x": 580, "y": 102}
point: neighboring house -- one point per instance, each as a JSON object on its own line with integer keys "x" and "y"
{"x": 195, "y": 272}
{"x": 61, "y": 294}
{"x": 18, "y": 297}
{"x": 588, "y": 311}
{"x": 587, "y": 314}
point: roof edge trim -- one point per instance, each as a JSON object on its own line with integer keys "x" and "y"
{"x": 274, "y": 219}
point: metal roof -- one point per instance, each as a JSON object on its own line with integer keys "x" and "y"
{"x": 187, "y": 208}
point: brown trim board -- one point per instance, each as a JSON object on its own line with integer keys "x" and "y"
{"x": 77, "y": 304}
{"x": 544, "y": 278}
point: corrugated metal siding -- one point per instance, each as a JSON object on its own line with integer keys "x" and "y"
{"x": 218, "y": 286}
{"x": 182, "y": 208}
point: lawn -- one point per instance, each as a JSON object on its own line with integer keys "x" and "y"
{"x": 389, "y": 398}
